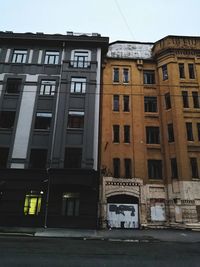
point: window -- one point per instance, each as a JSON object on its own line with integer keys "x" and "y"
{"x": 150, "y": 104}
{"x": 195, "y": 97}
{"x": 185, "y": 99}
{"x": 167, "y": 101}
{"x": 70, "y": 204}
{"x": 126, "y": 134}
{"x": 194, "y": 167}
{"x": 125, "y": 75}
{"x": 76, "y": 119}
{"x": 81, "y": 59}
{"x": 7, "y": 119}
{"x": 174, "y": 169}
{"x": 13, "y": 86}
{"x": 170, "y": 132}
{"x": 47, "y": 87}
{"x": 198, "y": 130}
{"x": 32, "y": 203}
{"x": 116, "y": 167}
{"x": 126, "y": 103}
{"x": 116, "y": 103}
{"x": 116, "y": 75}
{"x": 43, "y": 121}
{"x": 4, "y": 151}
{"x": 189, "y": 131}
{"x": 51, "y": 57}
{"x": 73, "y": 157}
{"x": 152, "y": 135}
{"x": 191, "y": 71}
{"x": 128, "y": 169}
{"x": 78, "y": 85}
{"x": 38, "y": 158}
{"x": 164, "y": 72}
{"x": 19, "y": 56}
{"x": 155, "y": 169}
{"x": 181, "y": 70}
{"x": 149, "y": 76}
{"x": 115, "y": 133}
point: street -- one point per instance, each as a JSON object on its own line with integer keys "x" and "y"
{"x": 32, "y": 251}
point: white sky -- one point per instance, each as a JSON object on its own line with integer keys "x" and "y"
{"x": 129, "y": 20}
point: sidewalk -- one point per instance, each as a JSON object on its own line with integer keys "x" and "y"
{"x": 150, "y": 235}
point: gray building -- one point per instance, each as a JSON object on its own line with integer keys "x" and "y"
{"x": 50, "y": 88}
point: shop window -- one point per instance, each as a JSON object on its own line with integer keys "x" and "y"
{"x": 174, "y": 168}
{"x": 191, "y": 71}
{"x": 116, "y": 75}
{"x": 19, "y": 56}
{"x": 155, "y": 169}
{"x": 4, "y": 152}
{"x": 194, "y": 167}
{"x": 43, "y": 121}
{"x": 116, "y": 134}
{"x": 165, "y": 72}
{"x": 70, "y": 204}
{"x": 128, "y": 169}
{"x": 126, "y": 103}
{"x": 167, "y": 101}
{"x": 149, "y": 76}
{"x": 78, "y": 85}
{"x": 195, "y": 98}
{"x": 38, "y": 158}
{"x": 116, "y": 103}
{"x": 51, "y": 57}
{"x": 73, "y": 158}
{"x": 126, "y": 134}
{"x": 47, "y": 87}
{"x": 125, "y": 75}
{"x": 150, "y": 104}
{"x": 152, "y": 135}
{"x": 116, "y": 167}
{"x": 7, "y": 119}
{"x": 13, "y": 86}
{"x": 189, "y": 131}
{"x": 75, "y": 119}
{"x": 170, "y": 132}
{"x": 32, "y": 203}
{"x": 181, "y": 70}
{"x": 185, "y": 99}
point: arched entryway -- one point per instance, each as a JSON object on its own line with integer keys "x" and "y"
{"x": 122, "y": 211}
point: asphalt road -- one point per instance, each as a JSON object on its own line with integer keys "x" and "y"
{"x": 32, "y": 251}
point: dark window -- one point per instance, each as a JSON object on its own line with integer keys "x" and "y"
{"x": 47, "y": 87}
{"x": 116, "y": 133}
{"x": 189, "y": 131}
{"x": 81, "y": 59}
{"x": 194, "y": 167}
{"x": 185, "y": 99}
{"x": 75, "y": 119}
{"x": 116, "y": 103}
{"x": 43, "y": 121}
{"x": 167, "y": 101}
{"x": 116, "y": 167}
{"x": 38, "y": 158}
{"x": 149, "y": 76}
{"x": 4, "y": 151}
{"x": 78, "y": 85}
{"x": 128, "y": 169}
{"x": 150, "y": 104}
{"x": 155, "y": 169}
{"x": 51, "y": 57}
{"x": 164, "y": 72}
{"x": 191, "y": 71}
{"x": 19, "y": 56}
{"x": 126, "y": 134}
{"x": 32, "y": 203}
{"x": 73, "y": 157}
{"x": 153, "y": 135}
{"x": 195, "y": 97}
{"x": 181, "y": 70}
{"x": 198, "y": 130}
{"x": 70, "y": 204}
{"x": 125, "y": 75}
{"x": 126, "y": 103}
{"x": 116, "y": 75}
{"x": 13, "y": 86}
{"x": 7, "y": 119}
{"x": 170, "y": 132}
{"x": 174, "y": 169}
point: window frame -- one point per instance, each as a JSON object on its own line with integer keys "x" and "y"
{"x": 16, "y": 83}
{"x": 75, "y": 119}
{"x": 185, "y": 99}
{"x": 19, "y": 56}
{"x": 127, "y": 168}
{"x": 149, "y": 77}
{"x": 170, "y": 131}
{"x": 4, "y": 122}
{"x": 153, "y": 135}
{"x": 194, "y": 167}
{"x": 189, "y": 131}
{"x": 78, "y": 82}
{"x": 116, "y": 77}
{"x": 47, "y": 87}
{"x": 37, "y": 206}
{"x": 127, "y": 130}
{"x": 70, "y": 204}
{"x": 126, "y": 103}
{"x": 116, "y": 167}
{"x": 195, "y": 98}
{"x": 125, "y": 75}
{"x": 116, "y": 104}
{"x": 40, "y": 118}
{"x": 150, "y": 104}
{"x": 191, "y": 71}
{"x": 174, "y": 168}
{"x": 51, "y": 57}
{"x": 181, "y": 67}
{"x": 116, "y": 133}
{"x": 165, "y": 72}
{"x": 155, "y": 171}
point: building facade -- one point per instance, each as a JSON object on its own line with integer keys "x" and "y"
{"x": 150, "y": 146}
{"x": 49, "y": 128}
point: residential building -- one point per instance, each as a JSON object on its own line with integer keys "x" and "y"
{"x": 150, "y": 146}
{"x": 49, "y": 128}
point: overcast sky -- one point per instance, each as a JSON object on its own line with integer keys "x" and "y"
{"x": 130, "y": 20}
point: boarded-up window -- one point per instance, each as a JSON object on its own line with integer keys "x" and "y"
{"x": 157, "y": 210}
